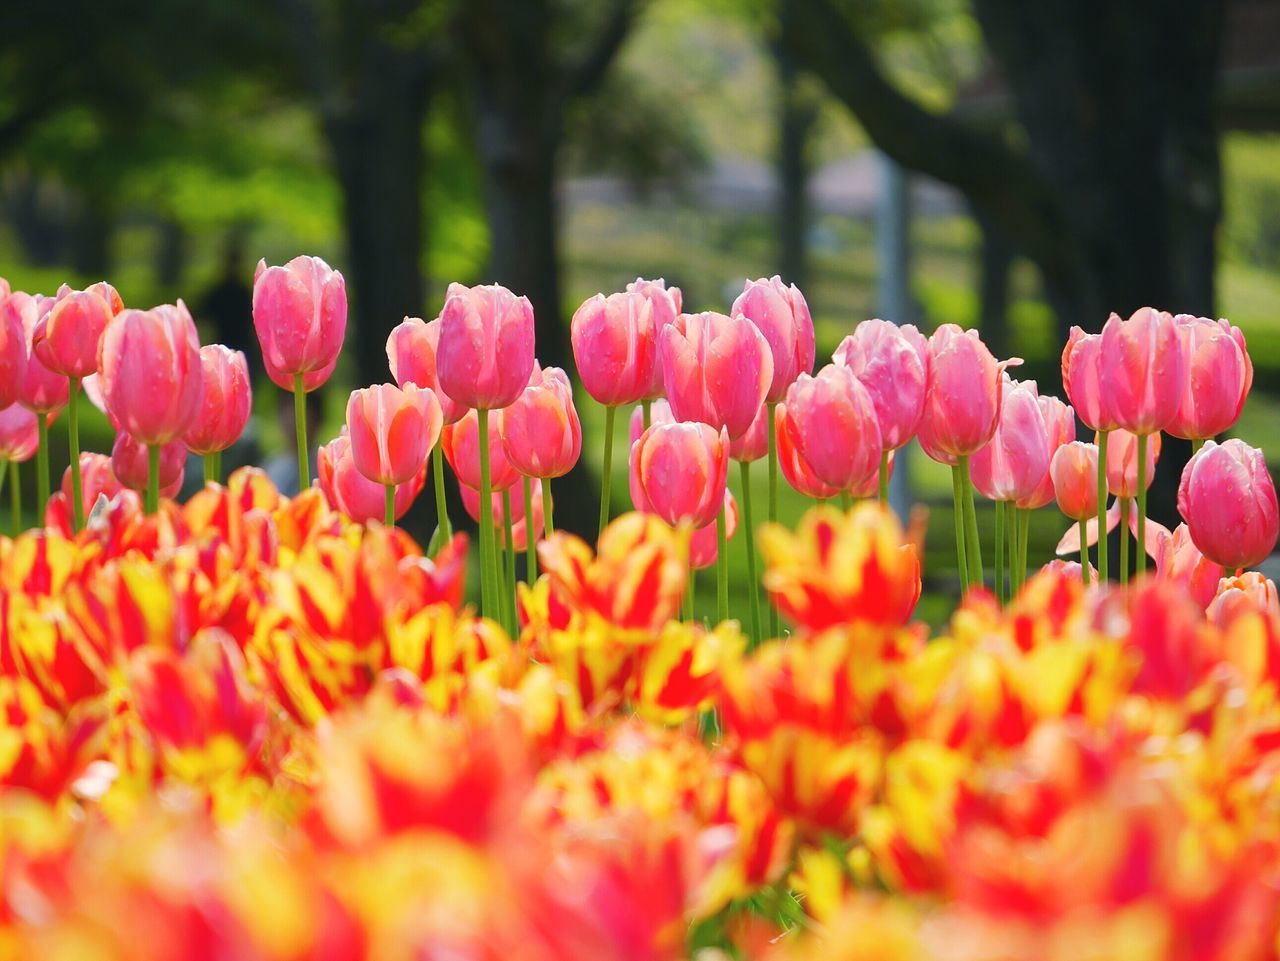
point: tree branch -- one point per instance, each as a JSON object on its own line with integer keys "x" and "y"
{"x": 583, "y": 78}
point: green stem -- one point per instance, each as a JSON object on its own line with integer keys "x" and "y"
{"x": 509, "y": 580}
{"x": 957, "y": 499}
{"x": 487, "y": 566}
{"x": 530, "y": 541}
{"x": 390, "y": 519}
{"x": 646, "y": 406}
{"x": 1140, "y": 553}
{"x": 300, "y": 431}
{"x": 1024, "y": 529}
{"x": 722, "y": 567}
{"x": 42, "y": 466}
{"x": 1124, "y": 540}
{"x": 210, "y": 464}
{"x": 846, "y": 501}
{"x": 775, "y": 625}
{"x": 973, "y": 549}
{"x": 606, "y": 477}
{"x": 749, "y": 531}
{"x": 548, "y": 526}
{"x": 444, "y": 530}
{"x": 1011, "y": 536}
{"x": 1197, "y": 444}
{"x": 1000, "y": 509}
{"x": 15, "y": 496}
{"x": 884, "y": 478}
{"x": 1102, "y": 506}
{"x": 153, "y": 478}
{"x": 1084, "y": 553}
{"x": 688, "y": 587}
{"x": 73, "y": 437}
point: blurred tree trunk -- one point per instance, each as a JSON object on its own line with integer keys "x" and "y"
{"x": 995, "y": 257}
{"x": 797, "y": 115}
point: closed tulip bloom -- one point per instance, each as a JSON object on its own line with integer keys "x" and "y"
{"x": 67, "y": 338}
{"x": 782, "y": 316}
{"x": 311, "y": 380}
{"x": 892, "y": 363}
{"x": 519, "y": 527}
{"x": 411, "y": 355}
{"x": 1228, "y": 500}
{"x": 541, "y": 433}
{"x": 1011, "y": 466}
{"x": 1074, "y": 472}
{"x": 1179, "y": 561}
{"x": 1251, "y": 593}
{"x": 1060, "y": 424}
{"x": 353, "y": 494}
{"x": 754, "y": 444}
{"x": 97, "y": 477}
{"x": 1122, "y": 462}
{"x": 962, "y": 404}
{"x": 43, "y": 390}
{"x": 129, "y": 464}
{"x": 107, "y": 292}
{"x": 678, "y": 471}
{"x": 300, "y": 314}
{"x": 13, "y": 352}
{"x": 151, "y": 377}
{"x": 485, "y": 354}
{"x": 704, "y": 549}
{"x": 1082, "y": 379}
{"x": 392, "y": 431}
{"x": 795, "y": 469}
{"x": 668, "y": 304}
{"x": 1220, "y": 374}
{"x": 461, "y": 445}
{"x": 615, "y": 347}
{"x": 717, "y": 370}
{"x": 659, "y": 413}
{"x": 1144, "y": 370}
{"x": 19, "y": 434}
{"x": 226, "y": 400}
{"x": 833, "y": 424}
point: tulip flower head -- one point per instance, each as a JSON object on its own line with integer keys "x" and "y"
{"x": 461, "y": 445}
{"x": 1249, "y": 594}
{"x": 13, "y": 353}
{"x": 796, "y": 470}
{"x": 615, "y": 347}
{"x": 353, "y": 494}
{"x": 1060, "y": 424}
{"x": 152, "y": 379}
{"x": 659, "y": 413}
{"x": 1122, "y": 462}
{"x": 1220, "y": 374}
{"x": 19, "y": 434}
{"x": 67, "y": 338}
{"x": 98, "y": 478}
{"x": 892, "y": 363}
{"x": 411, "y": 355}
{"x": 754, "y": 444}
{"x": 43, "y": 390}
{"x": 832, "y": 421}
{"x": 485, "y": 354}
{"x": 1015, "y": 461}
{"x": 962, "y": 403}
{"x": 226, "y": 400}
{"x": 678, "y": 471}
{"x": 704, "y": 548}
{"x": 129, "y": 464}
{"x": 300, "y": 315}
{"x": 1144, "y": 370}
{"x": 782, "y": 316}
{"x": 668, "y": 304}
{"x": 1082, "y": 379}
{"x": 1074, "y": 473}
{"x": 519, "y": 525}
{"x": 392, "y": 431}
{"x": 541, "y": 433}
{"x": 1228, "y": 500}
{"x": 717, "y": 370}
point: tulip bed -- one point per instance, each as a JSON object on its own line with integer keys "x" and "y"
{"x": 255, "y": 725}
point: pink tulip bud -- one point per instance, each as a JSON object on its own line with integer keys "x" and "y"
{"x": 1122, "y": 462}
{"x": 1251, "y": 593}
{"x": 754, "y": 444}
{"x": 19, "y": 433}
{"x": 411, "y": 355}
{"x": 668, "y": 304}
{"x": 300, "y": 314}
{"x": 226, "y": 400}
{"x": 109, "y": 294}
{"x": 392, "y": 431}
{"x": 1220, "y": 375}
{"x": 833, "y": 424}
{"x": 461, "y": 445}
{"x": 1228, "y": 500}
{"x": 1074, "y": 472}
{"x": 1143, "y": 369}
{"x": 1082, "y": 379}
{"x": 678, "y": 471}
{"x": 485, "y": 354}
{"x": 615, "y": 347}
{"x": 782, "y": 316}
{"x": 1016, "y": 459}
{"x": 519, "y": 528}
{"x": 151, "y": 375}
{"x": 795, "y": 469}
{"x": 541, "y": 433}
{"x": 892, "y": 363}
{"x": 1060, "y": 424}
{"x": 717, "y": 370}
{"x": 66, "y": 340}
{"x": 962, "y": 404}
{"x": 659, "y": 413}
{"x": 43, "y": 390}
{"x": 1179, "y": 561}
{"x": 704, "y": 544}
{"x": 98, "y": 477}
{"x": 13, "y": 351}
{"x": 353, "y": 494}
{"x": 129, "y": 462}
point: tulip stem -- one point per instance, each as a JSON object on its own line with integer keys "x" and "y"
{"x": 547, "y": 525}
{"x": 15, "y": 496}
{"x": 443, "y": 527}
{"x": 153, "y": 478}
{"x": 1140, "y": 553}
{"x": 1124, "y": 540}
{"x": 646, "y": 408}
{"x": 750, "y": 531}
{"x": 1102, "y": 506}
{"x": 488, "y": 568}
{"x": 689, "y": 583}
{"x": 1000, "y": 509}
{"x": 1084, "y": 553}
{"x": 1011, "y": 535}
{"x": 73, "y": 437}
{"x": 300, "y": 432}
{"x": 884, "y": 478}
{"x": 846, "y": 502}
{"x": 957, "y": 498}
{"x": 42, "y": 465}
{"x": 530, "y": 539}
{"x": 1197, "y": 444}
{"x": 389, "y": 518}
{"x": 722, "y": 567}
{"x": 509, "y": 583}
{"x": 973, "y": 549}
{"x": 212, "y": 468}
{"x": 607, "y": 475}
{"x": 1024, "y": 529}
{"x": 772, "y": 430}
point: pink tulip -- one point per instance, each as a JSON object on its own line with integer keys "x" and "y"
{"x": 782, "y": 316}
{"x": 892, "y": 363}
{"x": 300, "y": 314}
{"x": 392, "y": 431}
{"x": 19, "y": 435}
{"x": 795, "y": 469}
{"x": 226, "y": 400}
{"x": 104, "y": 290}
{"x": 1220, "y": 375}
{"x": 411, "y": 355}
{"x": 43, "y": 390}
{"x": 1082, "y": 379}
{"x": 678, "y": 471}
{"x": 1068, "y": 570}
{"x": 353, "y": 494}
{"x": 1012, "y": 465}
{"x": 1074, "y": 474}
{"x": 615, "y": 347}
{"x": 519, "y": 529}
{"x": 1143, "y": 369}
{"x": 129, "y": 464}
{"x": 1228, "y": 500}
{"x": 704, "y": 548}
{"x": 1060, "y": 422}
{"x": 717, "y": 370}
{"x": 962, "y": 404}
{"x": 152, "y": 380}
{"x": 833, "y": 424}
{"x": 310, "y": 381}
{"x": 541, "y": 433}
{"x": 13, "y": 352}
{"x": 1248, "y": 594}
{"x": 659, "y": 413}
{"x": 485, "y": 354}
{"x": 67, "y": 338}
{"x": 461, "y": 445}
{"x": 754, "y": 444}
{"x": 98, "y": 477}
{"x": 1122, "y": 462}
{"x": 668, "y": 304}
{"x": 1179, "y": 560}
{"x": 871, "y": 486}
